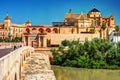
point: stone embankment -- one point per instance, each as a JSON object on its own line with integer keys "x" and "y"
{"x": 37, "y": 67}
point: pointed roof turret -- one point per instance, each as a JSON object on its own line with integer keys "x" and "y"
{"x": 70, "y": 11}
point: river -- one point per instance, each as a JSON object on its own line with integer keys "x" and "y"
{"x": 68, "y": 73}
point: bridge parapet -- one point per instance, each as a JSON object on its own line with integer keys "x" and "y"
{"x": 10, "y": 65}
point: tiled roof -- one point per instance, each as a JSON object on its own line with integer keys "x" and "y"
{"x": 71, "y": 15}
{"x": 82, "y": 17}
{"x": 36, "y": 26}
{"x": 77, "y": 16}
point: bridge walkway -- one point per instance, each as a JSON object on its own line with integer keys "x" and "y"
{"x": 37, "y": 67}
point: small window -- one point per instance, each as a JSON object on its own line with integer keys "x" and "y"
{"x": 95, "y": 23}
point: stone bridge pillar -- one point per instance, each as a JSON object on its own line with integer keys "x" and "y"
{"x": 42, "y": 41}
{"x": 39, "y": 41}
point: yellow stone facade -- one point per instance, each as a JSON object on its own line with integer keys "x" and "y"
{"x": 75, "y": 26}
{"x": 81, "y": 25}
{"x": 92, "y": 19}
{"x": 11, "y": 30}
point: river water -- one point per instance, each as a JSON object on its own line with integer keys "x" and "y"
{"x": 67, "y": 73}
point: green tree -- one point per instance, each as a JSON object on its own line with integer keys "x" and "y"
{"x": 65, "y": 42}
{"x": 117, "y": 28}
{"x": 96, "y": 53}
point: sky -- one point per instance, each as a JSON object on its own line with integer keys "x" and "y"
{"x": 41, "y": 12}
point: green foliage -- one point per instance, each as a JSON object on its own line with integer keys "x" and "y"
{"x": 16, "y": 39}
{"x": 65, "y": 43}
{"x": 98, "y": 53}
{"x": 117, "y": 28}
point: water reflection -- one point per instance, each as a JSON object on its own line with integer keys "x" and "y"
{"x": 67, "y": 73}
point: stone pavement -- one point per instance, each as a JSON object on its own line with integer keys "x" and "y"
{"x": 5, "y": 51}
{"x": 37, "y": 67}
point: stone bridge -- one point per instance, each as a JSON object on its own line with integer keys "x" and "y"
{"x": 24, "y": 64}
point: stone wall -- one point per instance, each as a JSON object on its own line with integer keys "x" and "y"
{"x": 57, "y": 38}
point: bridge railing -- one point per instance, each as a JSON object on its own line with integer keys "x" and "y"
{"x": 9, "y": 44}
{"x": 8, "y": 62}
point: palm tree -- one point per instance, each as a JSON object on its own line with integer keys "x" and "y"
{"x": 103, "y": 27}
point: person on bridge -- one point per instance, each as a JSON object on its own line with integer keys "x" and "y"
{"x": 14, "y": 47}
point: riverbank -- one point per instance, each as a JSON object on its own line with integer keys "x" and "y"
{"x": 70, "y": 73}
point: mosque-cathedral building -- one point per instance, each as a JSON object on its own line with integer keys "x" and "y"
{"x": 75, "y": 26}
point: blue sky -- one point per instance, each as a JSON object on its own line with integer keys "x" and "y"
{"x": 48, "y": 11}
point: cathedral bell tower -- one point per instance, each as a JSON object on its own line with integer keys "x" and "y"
{"x": 7, "y": 22}
{"x": 28, "y": 23}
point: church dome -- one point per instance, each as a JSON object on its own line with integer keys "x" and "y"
{"x": 94, "y": 10}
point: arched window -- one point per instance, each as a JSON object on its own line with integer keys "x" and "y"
{"x": 41, "y": 30}
{"x": 94, "y": 23}
{"x": 48, "y": 30}
{"x": 28, "y": 30}
{"x": 71, "y": 23}
{"x": 33, "y": 28}
{"x": 55, "y": 30}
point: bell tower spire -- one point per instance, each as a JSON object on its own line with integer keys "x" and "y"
{"x": 70, "y": 11}
{"x": 7, "y": 21}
